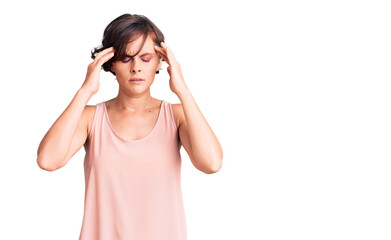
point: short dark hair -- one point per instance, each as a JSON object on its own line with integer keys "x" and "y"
{"x": 124, "y": 29}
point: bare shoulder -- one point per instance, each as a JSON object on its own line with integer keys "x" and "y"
{"x": 178, "y": 113}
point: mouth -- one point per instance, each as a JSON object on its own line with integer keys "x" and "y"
{"x": 136, "y": 80}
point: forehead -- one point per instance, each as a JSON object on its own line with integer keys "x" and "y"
{"x": 133, "y": 47}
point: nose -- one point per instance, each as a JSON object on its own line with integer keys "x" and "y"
{"x": 134, "y": 66}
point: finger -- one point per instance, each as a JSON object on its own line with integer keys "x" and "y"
{"x": 169, "y": 53}
{"x": 105, "y": 58}
{"x": 161, "y": 53}
{"x": 160, "y": 50}
{"x": 164, "y": 47}
{"x": 102, "y": 53}
{"x": 164, "y": 58}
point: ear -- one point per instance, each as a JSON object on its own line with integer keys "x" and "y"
{"x": 160, "y": 64}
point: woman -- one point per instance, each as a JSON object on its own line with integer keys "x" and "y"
{"x": 132, "y": 164}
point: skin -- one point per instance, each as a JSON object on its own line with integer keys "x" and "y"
{"x": 134, "y": 112}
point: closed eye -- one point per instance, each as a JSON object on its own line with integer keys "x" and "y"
{"x": 143, "y": 57}
{"x": 128, "y": 59}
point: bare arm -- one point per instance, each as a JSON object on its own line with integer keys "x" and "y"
{"x": 197, "y": 137}
{"x": 57, "y": 141}
{"x": 69, "y": 131}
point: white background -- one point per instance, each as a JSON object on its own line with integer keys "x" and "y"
{"x": 298, "y": 93}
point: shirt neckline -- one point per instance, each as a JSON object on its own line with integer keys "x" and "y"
{"x": 136, "y": 140}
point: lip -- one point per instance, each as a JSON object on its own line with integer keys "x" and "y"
{"x": 136, "y": 80}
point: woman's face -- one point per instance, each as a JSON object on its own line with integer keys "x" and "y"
{"x": 144, "y": 65}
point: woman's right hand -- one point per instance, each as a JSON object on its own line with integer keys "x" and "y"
{"x": 91, "y": 83}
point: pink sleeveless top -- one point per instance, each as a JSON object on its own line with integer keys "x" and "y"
{"x": 133, "y": 188}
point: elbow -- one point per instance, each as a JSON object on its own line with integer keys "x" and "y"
{"x": 216, "y": 167}
{"x": 217, "y": 164}
{"x": 44, "y": 165}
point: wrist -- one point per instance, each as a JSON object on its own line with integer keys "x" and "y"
{"x": 183, "y": 92}
{"x": 85, "y": 91}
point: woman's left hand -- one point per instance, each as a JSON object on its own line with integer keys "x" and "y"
{"x": 177, "y": 83}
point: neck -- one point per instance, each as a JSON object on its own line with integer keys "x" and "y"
{"x": 134, "y": 103}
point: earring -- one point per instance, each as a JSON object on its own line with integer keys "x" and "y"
{"x": 157, "y": 72}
